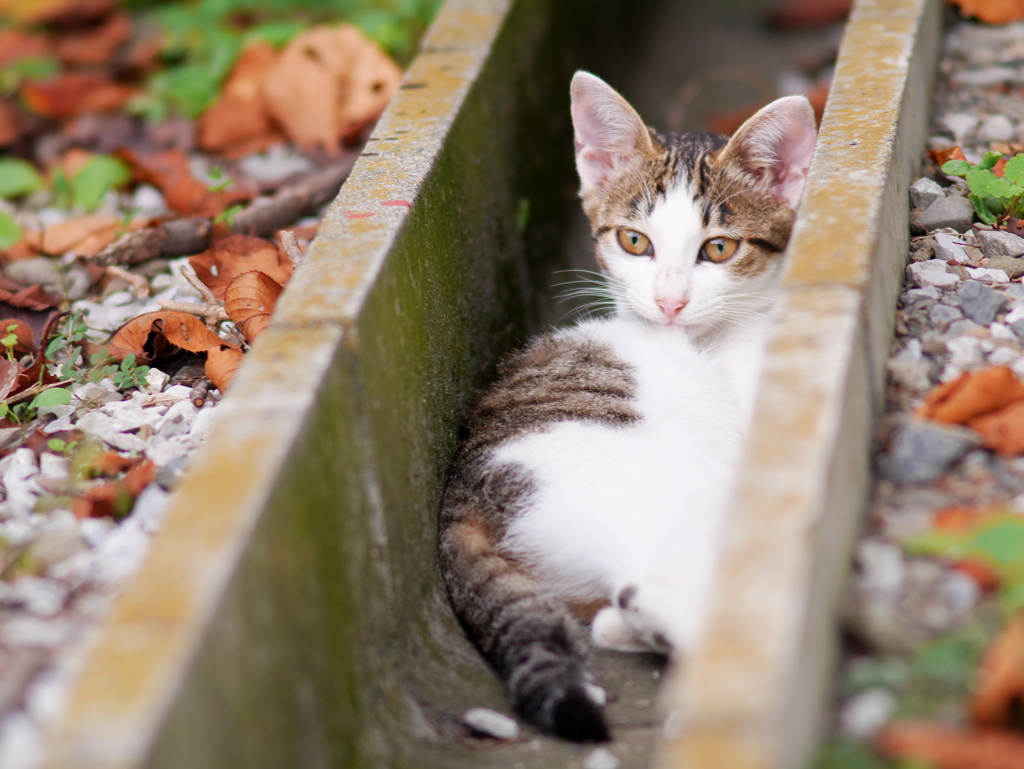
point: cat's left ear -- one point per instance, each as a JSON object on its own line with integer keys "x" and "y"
{"x": 777, "y": 143}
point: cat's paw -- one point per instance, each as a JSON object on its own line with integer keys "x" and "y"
{"x": 647, "y": 629}
{"x": 611, "y": 631}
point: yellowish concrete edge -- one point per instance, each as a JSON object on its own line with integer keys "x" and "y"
{"x": 131, "y": 675}
{"x": 754, "y": 694}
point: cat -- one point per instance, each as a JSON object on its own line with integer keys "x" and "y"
{"x": 596, "y": 470}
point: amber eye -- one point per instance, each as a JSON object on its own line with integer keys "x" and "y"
{"x": 636, "y": 243}
{"x": 718, "y": 249}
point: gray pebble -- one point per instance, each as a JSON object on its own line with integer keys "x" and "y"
{"x": 921, "y": 451}
{"x": 1000, "y": 243}
{"x": 932, "y": 272}
{"x": 920, "y": 294}
{"x": 950, "y": 248}
{"x": 964, "y": 327}
{"x": 924, "y": 192}
{"x": 996, "y": 128}
{"x": 959, "y": 124}
{"x": 979, "y": 302}
{"x": 942, "y": 315}
{"x": 956, "y": 213}
{"x": 1012, "y": 266}
{"x": 1018, "y": 328}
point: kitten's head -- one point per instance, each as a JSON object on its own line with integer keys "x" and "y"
{"x": 689, "y": 227}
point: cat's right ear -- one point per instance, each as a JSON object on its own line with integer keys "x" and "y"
{"x": 609, "y": 134}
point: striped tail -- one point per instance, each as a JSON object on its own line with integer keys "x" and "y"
{"x": 532, "y": 639}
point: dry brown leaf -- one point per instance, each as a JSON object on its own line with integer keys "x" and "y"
{"x": 1002, "y": 431}
{"x": 991, "y": 11}
{"x": 234, "y": 255}
{"x": 250, "y": 300}
{"x": 9, "y": 373}
{"x": 114, "y": 499}
{"x": 80, "y": 235}
{"x": 240, "y": 116}
{"x": 72, "y": 93}
{"x": 148, "y": 335}
{"x": 999, "y": 686}
{"x": 9, "y": 124}
{"x": 64, "y": 13}
{"x": 98, "y": 45}
{"x": 221, "y": 364}
{"x": 26, "y": 343}
{"x": 16, "y": 44}
{"x": 946, "y": 748}
{"x": 169, "y": 171}
{"x": 971, "y": 395}
{"x": 938, "y": 157}
{"x": 328, "y": 83}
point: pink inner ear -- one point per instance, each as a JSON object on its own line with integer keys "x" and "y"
{"x": 594, "y": 162}
{"x": 794, "y": 149}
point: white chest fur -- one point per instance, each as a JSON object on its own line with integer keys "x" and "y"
{"x": 640, "y": 504}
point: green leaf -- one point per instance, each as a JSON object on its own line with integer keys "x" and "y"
{"x": 10, "y": 232}
{"x": 981, "y": 206}
{"x": 1003, "y": 189}
{"x": 1014, "y": 169}
{"x": 129, "y": 362}
{"x": 55, "y": 396}
{"x": 956, "y": 167}
{"x": 100, "y": 174}
{"x": 989, "y": 160}
{"x": 18, "y": 178}
{"x": 56, "y": 444}
{"x": 979, "y": 182}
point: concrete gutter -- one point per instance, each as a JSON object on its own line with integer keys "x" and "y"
{"x": 755, "y": 694}
{"x": 290, "y": 613}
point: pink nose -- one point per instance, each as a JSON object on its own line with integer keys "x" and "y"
{"x": 670, "y": 307}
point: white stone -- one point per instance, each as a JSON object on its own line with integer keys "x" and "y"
{"x": 1017, "y": 313}
{"x": 162, "y": 451}
{"x": 959, "y": 124}
{"x": 964, "y": 351}
{"x": 950, "y": 248}
{"x": 36, "y": 632}
{"x": 54, "y": 466}
{"x": 21, "y": 742}
{"x": 203, "y": 422}
{"x": 133, "y": 414}
{"x": 882, "y": 566}
{"x": 960, "y": 591}
{"x": 1004, "y": 356}
{"x": 177, "y": 420}
{"x": 996, "y": 128}
{"x": 47, "y": 696}
{"x": 156, "y": 381}
{"x": 41, "y": 597}
{"x": 125, "y": 442}
{"x": 148, "y": 201}
{"x": 151, "y": 508}
{"x": 491, "y": 723}
{"x": 932, "y": 272}
{"x": 278, "y": 163}
{"x": 17, "y": 531}
{"x": 986, "y": 273}
{"x": 121, "y": 553}
{"x": 866, "y": 712}
{"x": 64, "y": 423}
{"x": 178, "y": 391}
{"x": 95, "y": 393}
{"x": 601, "y": 758}
{"x": 18, "y": 471}
{"x": 1002, "y": 331}
{"x": 96, "y": 530}
{"x": 924, "y": 192}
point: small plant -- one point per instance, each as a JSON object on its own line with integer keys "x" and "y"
{"x": 228, "y": 215}
{"x": 997, "y": 199}
{"x": 10, "y": 341}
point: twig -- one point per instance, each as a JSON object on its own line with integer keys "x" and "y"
{"x": 263, "y": 217}
{"x": 212, "y": 314}
{"x": 291, "y": 247}
{"x": 34, "y": 390}
{"x": 199, "y": 393}
{"x": 138, "y": 283}
{"x": 189, "y": 274}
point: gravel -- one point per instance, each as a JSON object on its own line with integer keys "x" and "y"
{"x": 953, "y": 212}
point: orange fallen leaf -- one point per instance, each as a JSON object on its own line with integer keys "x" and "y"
{"x": 85, "y": 235}
{"x": 98, "y": 45}
{"x": 971, "y": 395}
{"x": 991, "y": 11}
{"x": 26, "y": 343}
{"x": 9, "y": 124}
{"x": 71, "y": 93}
{"x": 169, "y": 170}
{"x": 109, "y": 464}
{"x": 938, "y": 157}
{"x": 114, "y": 499}
{"x": 983, "y": 575}
{"x": 1002, "y": 431}
{"x": 234, "y": 255}
{"x": 17, "y": 45}
{"x": 999, "y": 686}
{"x": 327, "y": 84}
{"x": 250, "y": 300}
{"x": 221, "y": 364}
{"x": 1000, "y": 167}
{"x": 944, "y": 747}
{"x": 65, "y": 13}
{"x": 240, "y": 116}
{"x": 148, "y": 335}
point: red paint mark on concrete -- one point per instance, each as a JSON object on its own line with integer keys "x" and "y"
{"x": 405, "y": 203}
{"x": 354, "y": 215}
